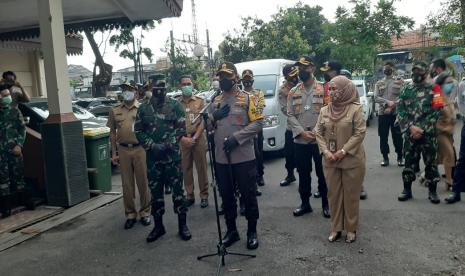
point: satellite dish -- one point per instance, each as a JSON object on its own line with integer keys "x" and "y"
{"x": 198, "y": 51}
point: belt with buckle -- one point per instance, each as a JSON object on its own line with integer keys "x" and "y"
{"x": 129, "y": 145}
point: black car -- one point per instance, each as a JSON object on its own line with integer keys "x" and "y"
{"x": 37, "y": 112}
{"x": 100, "y": 107}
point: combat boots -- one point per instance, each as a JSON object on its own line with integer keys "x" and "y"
{"x": 184, "y": 232}
{"x": 406, "y": 193}
{"x": 432, "y": 194}
{"x": 158, "y": 229}
{"x": 252, "y": 240}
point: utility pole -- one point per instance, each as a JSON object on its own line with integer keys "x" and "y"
{"x": 194, "y": 24}
{"x": 209, "y": 54}
{"x": 172, "y": 55}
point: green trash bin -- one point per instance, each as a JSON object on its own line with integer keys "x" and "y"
{"x": 98, "y": 159}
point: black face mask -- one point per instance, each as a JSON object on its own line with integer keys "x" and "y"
{"x": 292, "y": 80}
{"x": 158, "y": 93}
{"x": 418, "y": 78}
{"x": 247, "y": 83}
{"x": 388, "y": 72}
{"x": 304, "y": 76}
{"x": 327, "y": 77}
{"x": 433, "y": 74}
{"x": 227, "y": 84}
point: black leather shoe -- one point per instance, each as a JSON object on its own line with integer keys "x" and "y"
{"x": 317, "y": 194}
{"x": 400, "y": 162}
{"x": 258, "y": 192}
{"x": 168, "y": 190}
{"x": 129, "y": 223}
{"x": 252, "y": 241}
{"x": 145, "y": 221}
{"x": 302, "y": 210}
{"x": 326, "y": 213}
{"x": 204, "y": 203}
{"x": 363, "y": 195}
{"x": 385, "y": 162}
{"x": 261, "y": 182}
{"x": 453, "y": 198}
{"x": 190, "y": 202}
{"x": 184, "y": 232}
{"x": 287, "y": 181}
{"x": 230, "y": 238}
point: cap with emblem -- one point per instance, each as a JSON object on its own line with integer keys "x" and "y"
{"x": 331, "y": 66}
{"x": 305, "y": 61}
{"x": 227, "y": 67}
{"x": 420, "y": 65}
{"x": 290, "y": 71}
{"x": 158, "y": 80}
{"x": 247, "y": 73}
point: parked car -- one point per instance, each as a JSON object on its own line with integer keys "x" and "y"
{"x": 366, "y": 99}
{"x": 268, "y": 78}
{"x": 100, "y": 107}
{"x": 37, "y": 112}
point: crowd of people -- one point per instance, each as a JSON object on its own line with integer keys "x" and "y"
{"x": 156, "y": 140}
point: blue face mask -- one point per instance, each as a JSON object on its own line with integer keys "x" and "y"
{"x": 447, "y": 88}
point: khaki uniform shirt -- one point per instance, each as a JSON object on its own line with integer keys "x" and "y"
{"x": 347, "y": 134}
{"x": 387, "y": 89}
{"x": 244, "y": 121}
{"x": 121, "y": 121}
{"x": 192, "y": 107}
{"x": 282, "y": 97}
{"x": 303, "y": 108}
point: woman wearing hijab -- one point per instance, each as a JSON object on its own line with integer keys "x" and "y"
{"x": 340, "y": 131}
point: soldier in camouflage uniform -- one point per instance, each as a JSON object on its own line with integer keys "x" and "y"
{"x": 12, "y": 136}
{"x": 417, "y": 119}
{"x": 160, "y": 126}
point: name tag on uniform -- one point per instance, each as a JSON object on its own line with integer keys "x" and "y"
{"x": 191, "y": 117}
{"x": 421, "y": 94}
{"x": 188, "y": 109}
{"x": 160, "y": 116}
{"x": 306, "y": 107}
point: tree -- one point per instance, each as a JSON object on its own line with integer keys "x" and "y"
{"x": 449, "y": 22}
{"x": 289, "y": 34}
{"x": 133, "y": 47}
{"x": 101, "y": 81}
{"x": 358, "y": 34}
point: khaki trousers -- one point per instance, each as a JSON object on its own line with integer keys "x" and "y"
{"x": 344, "y": 186}
{"x": 134, "y": 167}
{"x": 196, "y": 154}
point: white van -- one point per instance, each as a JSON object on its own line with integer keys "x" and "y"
{"x": 268, "y": 76}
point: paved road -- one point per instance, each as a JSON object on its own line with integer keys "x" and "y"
{"x": 413, "y": 238}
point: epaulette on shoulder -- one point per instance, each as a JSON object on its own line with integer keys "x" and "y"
{"x": 356, "y": 103}
{"x": 198, "y": 97}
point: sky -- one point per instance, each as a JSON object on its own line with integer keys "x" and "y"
{"x": 221, "y": 16}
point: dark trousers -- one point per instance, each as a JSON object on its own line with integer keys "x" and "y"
{"x": 258, "y": 147}
{"x": 244, "y": 176}
{"x": 303, "y": 156}
{"x": 289, "y": 152}
{"x": 386, "y": 122}
{"x": 459, "y": 175}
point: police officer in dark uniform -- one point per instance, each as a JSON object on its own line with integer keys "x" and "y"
{"x": 290, "y": 73}
{"x": 237, "y": 121}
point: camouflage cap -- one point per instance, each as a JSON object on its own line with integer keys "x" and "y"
{"x": 420, "y": 65}
{"x": 305, "y": 61}
{"x": 227, "y": 67}
{"x": 290, "y": 71}
{"x": 247, "y": 73}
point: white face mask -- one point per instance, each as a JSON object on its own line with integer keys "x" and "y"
{"x": 216, "y": 84}
{"x": 128, "y": 96}
{"x": 148, "y": 94}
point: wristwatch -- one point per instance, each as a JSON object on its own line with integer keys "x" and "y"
{"x": 343, "y": 151}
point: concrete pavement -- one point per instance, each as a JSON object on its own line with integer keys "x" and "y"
{"x": 412, "y": 238}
